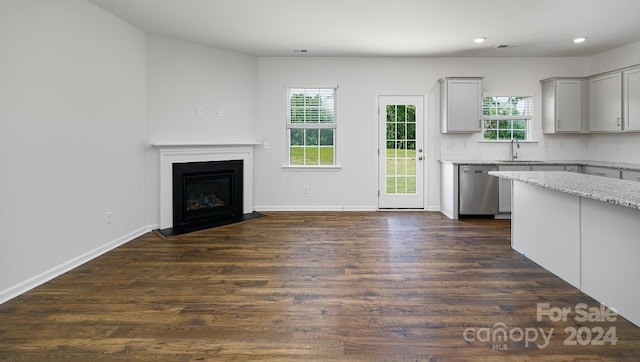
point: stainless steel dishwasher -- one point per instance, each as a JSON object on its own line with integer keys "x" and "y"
{"x": 478, "y": 191}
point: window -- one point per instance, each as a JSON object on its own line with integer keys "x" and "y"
{"x": 311, "y": 126}
{"x": 506, "y": 118}
{"x": 401, "y": 149}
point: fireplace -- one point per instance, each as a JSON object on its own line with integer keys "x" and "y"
{"x": 171, "y": 154}
{"x": 206, "y": 193}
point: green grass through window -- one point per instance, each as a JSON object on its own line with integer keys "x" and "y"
{"x": 401, "y": 171}
{"x": 311, "y": 156}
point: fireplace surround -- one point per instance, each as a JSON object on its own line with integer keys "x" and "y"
{"x": 170, "y": 154}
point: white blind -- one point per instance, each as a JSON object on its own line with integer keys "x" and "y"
{"x": 511, "y": 107}
{"x": 311, "y": 107}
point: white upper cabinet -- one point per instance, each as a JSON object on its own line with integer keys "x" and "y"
{"x": 461, "y": 105}
{"x": 562, "y": 105}
{"x": 609, "y": 102}
{"x": 631, "y": 96}
{"x": 605, "y": 103}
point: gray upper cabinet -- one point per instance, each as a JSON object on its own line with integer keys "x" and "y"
{"x": 605, "y": 103}
{"x": 562, "y": 105}
{"x": 609, "y": 102}
{"x": 461, "y": 105}
{"x": 631, "y": 97}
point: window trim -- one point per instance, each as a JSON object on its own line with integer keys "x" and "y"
{"x": 528, "y": 118}
{"x": 320, "y": 125}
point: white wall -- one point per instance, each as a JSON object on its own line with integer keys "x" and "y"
{"x": 615, "y": 147}
{"x": 181, "y": 77}
{"x": 615, "y": 59}
{"x": 359, "y": 80}
{"x": 72, "y": 132}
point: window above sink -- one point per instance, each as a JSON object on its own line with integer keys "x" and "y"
{"x": 506, "y": 118}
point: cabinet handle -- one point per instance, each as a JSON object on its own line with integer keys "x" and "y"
{"x": 618, "y": 124}
{"x": 559, "y": 124}
{"x": 479, "y": 124}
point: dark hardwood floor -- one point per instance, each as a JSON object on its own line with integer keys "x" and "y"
{"x": 379, "y": 286}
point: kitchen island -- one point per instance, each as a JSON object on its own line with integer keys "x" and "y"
{"x": 583, "y": 228}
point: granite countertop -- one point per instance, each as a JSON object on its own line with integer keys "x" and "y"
{"x": 619, "y": 192}
{"x": 616, "y": 165}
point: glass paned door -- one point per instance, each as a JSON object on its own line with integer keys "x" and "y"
{"x": 401, "y": 155}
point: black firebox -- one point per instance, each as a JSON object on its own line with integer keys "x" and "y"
{"x": 206, "y": 193}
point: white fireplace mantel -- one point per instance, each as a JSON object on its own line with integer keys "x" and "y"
{"x": 181, "y": 153}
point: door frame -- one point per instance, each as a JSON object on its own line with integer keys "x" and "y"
{"x": 425, "y": 168}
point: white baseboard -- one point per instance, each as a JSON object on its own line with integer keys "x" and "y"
{"x": 54, "y": 272}
{"x": 328, "y": 208}
{"x": 315, "y": 208}
{"x": 433, "y": 208}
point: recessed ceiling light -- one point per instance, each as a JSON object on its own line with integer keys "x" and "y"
{"x": 579, "y": 40}
{"x": 300, "y": 51}
{"x": 479, "y": 40}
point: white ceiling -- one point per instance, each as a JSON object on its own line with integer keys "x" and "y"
{"x": 389, "y": 27}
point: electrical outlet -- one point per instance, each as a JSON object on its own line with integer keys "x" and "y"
{"x": 220, "y": 112}
{"x": 305, "y": 190}
{"x": 108, "y": 217}
{"x": 200, "y": 111}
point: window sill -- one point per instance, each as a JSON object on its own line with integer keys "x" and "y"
{"x": 312, "y": 168}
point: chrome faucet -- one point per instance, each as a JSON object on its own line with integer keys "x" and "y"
{"x": 514, "y": 155}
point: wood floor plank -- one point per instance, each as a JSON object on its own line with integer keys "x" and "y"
{"x": 317, "y": 286}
